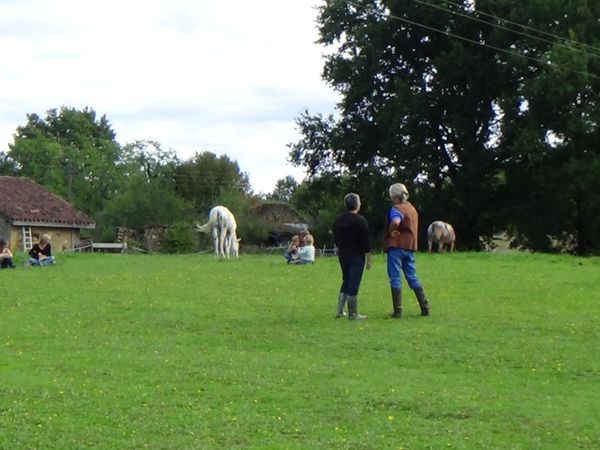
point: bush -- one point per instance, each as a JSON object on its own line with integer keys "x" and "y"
{"x": 181, "y": 238}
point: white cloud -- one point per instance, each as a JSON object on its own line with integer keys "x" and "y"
{"x": 227, "y": 77}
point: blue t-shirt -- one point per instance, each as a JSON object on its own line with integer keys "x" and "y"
{"x": 395, "y": 214}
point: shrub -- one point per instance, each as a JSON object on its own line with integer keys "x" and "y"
{"x": 181, "y": 238}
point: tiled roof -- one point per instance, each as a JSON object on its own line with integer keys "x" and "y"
{"x": 23, "y": 200}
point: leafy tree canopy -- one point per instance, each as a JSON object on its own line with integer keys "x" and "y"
{"x": 467, "y": 107}
{"x": 284, "y": 189}
{"x": 71, "y": 152}
{"x": 203, "y": 178}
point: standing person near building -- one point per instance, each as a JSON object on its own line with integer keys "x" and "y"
{"x": 351, "y": 236}
{"x": 400, "y": 244}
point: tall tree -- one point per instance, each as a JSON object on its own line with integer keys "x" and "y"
{"x": 150, "y": 159}
{"x": 205, "y": 177}
{"x": 447, "y": 97}
{"x": 71, "y": 152}
{"x": 284, "y": 189}
{"x": 146, "y": 191}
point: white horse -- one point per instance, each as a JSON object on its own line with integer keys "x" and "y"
{"x": 442, "y": 234}
{"x": 221, "y": 224}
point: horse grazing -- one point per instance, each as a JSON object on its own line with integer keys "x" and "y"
{"x": 442, "y": 234}
{"x": 221, "y": 224}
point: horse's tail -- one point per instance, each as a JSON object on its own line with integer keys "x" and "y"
{"x": 203, "y": 228}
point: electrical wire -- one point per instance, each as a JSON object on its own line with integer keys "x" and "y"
{"x": 472, "y": 41}
{"x": 574, "y": 44}
{"x": 526, "y": 27}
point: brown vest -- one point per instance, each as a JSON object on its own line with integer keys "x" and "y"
{"x": 406, "y": 238}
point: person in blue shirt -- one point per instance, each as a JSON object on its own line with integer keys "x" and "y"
{"x": 400, "y": 244}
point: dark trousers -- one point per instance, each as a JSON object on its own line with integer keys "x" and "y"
{"x": 352, "y": 271}
{"x": 7, "y": 263}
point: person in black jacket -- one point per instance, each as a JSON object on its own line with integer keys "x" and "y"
{"x": 41, "y": 253}
{"x": 351, "y": 236}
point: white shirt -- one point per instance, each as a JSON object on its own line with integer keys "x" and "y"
{"x": 307, "y": 253}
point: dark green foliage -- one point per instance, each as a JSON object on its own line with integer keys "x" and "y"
{"x": 204, "y": 178}
{"x": 181, "y": 237}
{"x": 73, "y": 153}
{"x": 322, "y": 199}
{"x": 284, "y": 189}
{"x": 148, "y": 158}
{"x": 483, "y": 119}
{"x": 141, "y": 203}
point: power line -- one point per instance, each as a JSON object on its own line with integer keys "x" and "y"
{"x": 526, "y": 27}
{"x": 472, "y": 41}
{"x": 575, "y": 45}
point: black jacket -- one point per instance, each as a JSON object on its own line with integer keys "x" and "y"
{"x": 351, "y": 235}
{"x": 36, "y": 250}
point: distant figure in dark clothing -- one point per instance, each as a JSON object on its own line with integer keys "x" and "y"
{"x": 6, "y": 256}
{"x": 41, "y": 253}
{"x": 351, "y": 236}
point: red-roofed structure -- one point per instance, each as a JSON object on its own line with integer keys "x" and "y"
{"x": 28, "y": 210}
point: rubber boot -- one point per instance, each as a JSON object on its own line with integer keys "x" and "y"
{"x": 340, "y": 305}
{"x": 396, "y": 303}
{"x": 353, "y": 308}
{"x": 423, "y": 303}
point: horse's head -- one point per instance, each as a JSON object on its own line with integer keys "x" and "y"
{"x": 235, "y": 247}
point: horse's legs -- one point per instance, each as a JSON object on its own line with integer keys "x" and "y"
{"x": 215, "y": 235}
{"x": 226, "y": 244}
{"x": 222, "y": 242}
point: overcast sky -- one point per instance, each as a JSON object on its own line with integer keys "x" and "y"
{"x": 228, "y": 77}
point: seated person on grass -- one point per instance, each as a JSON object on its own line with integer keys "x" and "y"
{"x": 6, "y": 256}
{"x": 291, "y": 254}
{"x": 306, "y": 253}
{"x": 41, "y": 253}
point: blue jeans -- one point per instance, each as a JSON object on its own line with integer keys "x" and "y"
{"x": 45, "y": 262}
{"x": 398, "y": 261}
{"x": 352, "y": 271}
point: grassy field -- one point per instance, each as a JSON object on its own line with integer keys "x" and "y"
{"x": 187, "y": 352}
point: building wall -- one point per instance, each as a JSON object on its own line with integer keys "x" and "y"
{"x": 60, "y": 238}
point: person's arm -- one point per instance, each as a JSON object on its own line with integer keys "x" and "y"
{"x": 34, "y": 251}
{"x": 369, "y": 262}
{"x": 365, "y": 242}
{"x": 395, "y": 220}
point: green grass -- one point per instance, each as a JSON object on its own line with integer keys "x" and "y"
{"x": 187, "y": 352}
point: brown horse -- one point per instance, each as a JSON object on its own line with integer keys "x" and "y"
{"x": 442, "y": 234}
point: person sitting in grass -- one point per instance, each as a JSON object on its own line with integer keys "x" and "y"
{"x": 6, "y": 256}
{"x": 306, "y": 253}
{"x": 41, "y": 253}
{"x": 291, "y": 254}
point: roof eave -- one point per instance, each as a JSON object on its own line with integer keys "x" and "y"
{"x": 29, "y": 223}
